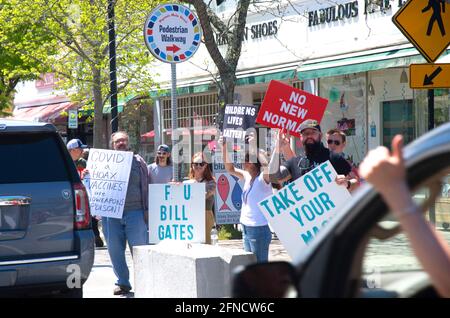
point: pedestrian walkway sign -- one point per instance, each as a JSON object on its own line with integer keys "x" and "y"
{"x": 429, "y": 76}
{"x": 172, "y": 33}
{"x": 426, "y": 24}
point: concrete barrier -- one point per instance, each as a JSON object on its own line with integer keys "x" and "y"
{"x": 175, "y": 269}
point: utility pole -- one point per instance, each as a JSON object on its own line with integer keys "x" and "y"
{"x": 112, "y": 67}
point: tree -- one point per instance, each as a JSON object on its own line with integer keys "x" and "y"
{"x": 19, "y": 35}
{"x": 232, "y": 31}
{"x": 79, "y": 31}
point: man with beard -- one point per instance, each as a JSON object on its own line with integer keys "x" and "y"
{"x": 132, "y": 226}
{"x": 315, "y": 154}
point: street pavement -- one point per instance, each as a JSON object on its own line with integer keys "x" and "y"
{"x": 100, "y": 283}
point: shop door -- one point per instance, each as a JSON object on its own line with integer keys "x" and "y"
{"x": 398, "y": 118}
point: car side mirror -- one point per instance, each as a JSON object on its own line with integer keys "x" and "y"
{"x": 270, "y": 280}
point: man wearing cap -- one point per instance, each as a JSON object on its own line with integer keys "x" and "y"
{"x": 161, "y": 170}
{"x": 75, "y": 147}
{"x": 315, "y": 154}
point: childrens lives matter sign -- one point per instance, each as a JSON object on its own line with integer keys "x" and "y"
{"x": 237, "y": 119}
{"x": 176, "y": 212}
{"x": 287, "y": 107}
{"x": 109, "y": 171}
{"x": 298, "y": 211}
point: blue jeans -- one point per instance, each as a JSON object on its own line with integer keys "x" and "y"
{"x": 256, "y": 239}
{"x": 131, "y": 228}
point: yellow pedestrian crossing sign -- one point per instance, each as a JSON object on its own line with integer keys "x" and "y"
{"x": 426, "y": 24}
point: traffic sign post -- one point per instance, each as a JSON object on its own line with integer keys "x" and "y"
{"x": 429, "y": 76}
{"x": 426, "y": 24}
{"x": 172, "y": 33}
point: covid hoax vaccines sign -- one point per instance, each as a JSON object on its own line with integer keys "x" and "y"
{"x": 109, "y": 172}
{"x": 287, "y": 107}
{"x": 176, "y": 212}
{"x": 298, "y": 211}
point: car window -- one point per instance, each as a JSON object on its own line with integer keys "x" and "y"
{"x": 30, "y": 158}
{"x": 394, "y": 254}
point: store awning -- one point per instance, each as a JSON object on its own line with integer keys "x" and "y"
{"x": 360, "y": 62}
{"x": 43, "y": 113}
{"x": 247, "y": 77}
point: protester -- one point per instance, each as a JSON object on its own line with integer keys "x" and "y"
{"x": 386, "y": 171}
{"x": 200, "y": 172}
{"x": 161, "y": 171}
{"x": 315, "y": 154}
{"x": 337, "y": 141}
{"x": 132, "y": 226}
{"x": 255, "y": 229}
{"x": 76, "y": 149}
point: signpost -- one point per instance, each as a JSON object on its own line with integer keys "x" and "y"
{"x": 172, "y": 33}
{"x": 426, "y": 24}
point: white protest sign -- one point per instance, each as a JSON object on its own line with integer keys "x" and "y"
{"x": 299, "y": 210}
{"x": 176, "y": 212}
{"x": 109, "y": 172}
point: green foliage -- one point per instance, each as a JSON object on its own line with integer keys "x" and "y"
{"x": 228, "y": 232}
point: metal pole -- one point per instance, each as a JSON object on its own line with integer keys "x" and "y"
{"x": 173, "y": 67}
{"x": 112, "y": 67}
{"x": 432, "y": 212}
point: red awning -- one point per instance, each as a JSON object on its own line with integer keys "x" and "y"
{"x": 42, "y": 113}
{"x": 150, "y": 134}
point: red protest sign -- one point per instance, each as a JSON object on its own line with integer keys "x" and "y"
{"x": 287, "y": 107}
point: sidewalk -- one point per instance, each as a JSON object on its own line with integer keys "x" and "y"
{"x": 100, "y": 283}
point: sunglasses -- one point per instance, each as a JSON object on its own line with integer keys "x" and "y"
{"x": 161, "y": 153}
{"x": 198, "y": 164}
{"x": 336, "y": 142}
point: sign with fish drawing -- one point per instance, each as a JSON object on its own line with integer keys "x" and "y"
{"x": 228, "y": 192}
{"x": 287, "y": 107}
{"x": 298, "y": 211}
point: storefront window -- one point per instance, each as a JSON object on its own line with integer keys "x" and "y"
{"x": 398, "y": 118}
{"x": 346, "y": 110}
{"x": 441, "y": 108}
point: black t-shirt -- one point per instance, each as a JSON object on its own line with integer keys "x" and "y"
{"x": 298, "y": 166}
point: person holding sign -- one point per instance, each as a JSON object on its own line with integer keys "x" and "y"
{"x": 385, "y": 170}
{"x": 132, "y": 226}
{"x": 256, "y": 232}
{"x": 315, "y": 154}
{"x": 200, "y": 172}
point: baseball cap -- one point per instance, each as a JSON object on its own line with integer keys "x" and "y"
{"x": 163, "y": 148}
{"x": 75, "y": 143}
{"x": 310, "y": 123}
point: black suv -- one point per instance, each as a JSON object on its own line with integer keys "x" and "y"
{"x": 46, "y": 240}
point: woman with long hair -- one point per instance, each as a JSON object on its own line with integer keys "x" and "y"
{"x": 201, "y": 172}
{"x": 256, "y": 232}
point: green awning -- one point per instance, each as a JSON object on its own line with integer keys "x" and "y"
{"x": 244, "y": 80}
{"x": 362, "y": 63}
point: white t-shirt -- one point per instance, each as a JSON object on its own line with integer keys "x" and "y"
{"x": 251, "y": 214}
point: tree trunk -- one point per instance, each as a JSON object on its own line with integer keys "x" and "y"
{"x": 99, "y": 132}
{"x": 226, "y": 94}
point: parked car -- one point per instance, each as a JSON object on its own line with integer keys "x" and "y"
{"x": 46, "y": 240}
{"x": 362, "y": 251}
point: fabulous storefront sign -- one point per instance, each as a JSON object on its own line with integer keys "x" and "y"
{"x": 348, "y": 10}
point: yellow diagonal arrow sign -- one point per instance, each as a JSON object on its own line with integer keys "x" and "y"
{"x": 429, "y": 75}
{"x": 426, "y": 24}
